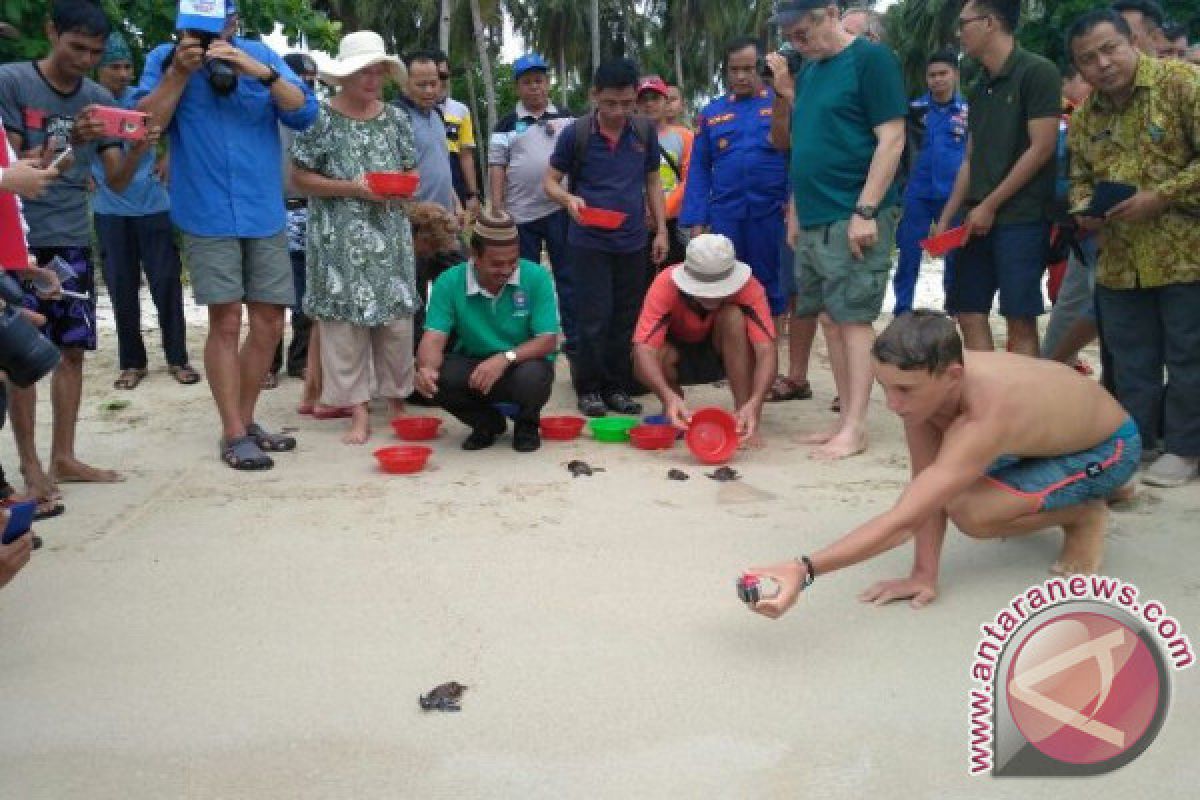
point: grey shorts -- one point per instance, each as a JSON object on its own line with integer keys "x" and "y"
{"x": 830, "y": 279}
{"x": 228, "y": 270}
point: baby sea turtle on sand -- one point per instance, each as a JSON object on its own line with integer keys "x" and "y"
{"x": 724, "y": 474}
{"x": 677, "y": 475}
{"x": 443, "y": 698}
{"x": 577, "y": 468}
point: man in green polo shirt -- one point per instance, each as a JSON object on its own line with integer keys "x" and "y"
{"x": 503, "y": 315}
{"x": 1006, "y": 182}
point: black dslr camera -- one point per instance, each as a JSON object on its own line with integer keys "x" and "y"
{"x": 221, "y": 75}
{"x": 26, "y": 356}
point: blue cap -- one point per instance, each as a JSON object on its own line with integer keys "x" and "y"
{"x": 528, "y": 62}
{"x": 790, "y": 11}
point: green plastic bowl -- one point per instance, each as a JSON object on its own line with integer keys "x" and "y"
{"x": 612, "y": 429}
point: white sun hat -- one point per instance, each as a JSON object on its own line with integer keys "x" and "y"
{"x": 711, "y": 268}
{"x": 358, "y": 51}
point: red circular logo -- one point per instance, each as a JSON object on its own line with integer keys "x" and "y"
{"x": 1083, "y": 688}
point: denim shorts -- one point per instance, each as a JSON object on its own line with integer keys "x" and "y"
{"x": 1009, "y": 259}
{"x": 1068, "y": 480}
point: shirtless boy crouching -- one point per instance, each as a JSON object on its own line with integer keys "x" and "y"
{"x": 1000, "y": 444}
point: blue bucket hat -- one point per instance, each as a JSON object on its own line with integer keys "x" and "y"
{"x": 528, "y": 63}
{"x": 116, "y": 50}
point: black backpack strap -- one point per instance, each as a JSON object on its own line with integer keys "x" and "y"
{"x": 583, "y": 130}
{"x": 670, "y": 159}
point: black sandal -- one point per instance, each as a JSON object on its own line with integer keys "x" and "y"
{"x": 244, "y": 453}
{"x": 184, "y": 374}
{"x": 270, "y": 442}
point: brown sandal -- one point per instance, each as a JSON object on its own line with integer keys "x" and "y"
{"x": 784, "y": 388}
{"x": 129, "y": 378}
{"x": 184, "y": 374}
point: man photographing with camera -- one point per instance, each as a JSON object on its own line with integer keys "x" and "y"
{"x": 226, "y": 170}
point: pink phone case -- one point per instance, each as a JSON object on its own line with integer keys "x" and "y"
{"x": 122, "y": 124}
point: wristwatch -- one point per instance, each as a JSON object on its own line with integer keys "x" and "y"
{"x": 510, "y": 356}
{"x": 270, "y": 79}
{"x": 866, "y": 212}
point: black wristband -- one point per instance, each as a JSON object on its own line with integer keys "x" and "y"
{"x": 811, "y": 572}
{"x": 270, "y": 79}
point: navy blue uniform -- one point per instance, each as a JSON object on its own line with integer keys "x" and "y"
{"x": 738, "y": 185}
{"x": 943, "y": 145}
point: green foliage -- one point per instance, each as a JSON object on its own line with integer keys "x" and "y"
{"x": 147, "y": 23}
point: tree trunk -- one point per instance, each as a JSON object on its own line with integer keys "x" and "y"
{"x": 595, "y": 14}
{"x": 562, "y": 74}
{"x": 444, "y": 26}
{"x": 679, "y": 44}
{"x": 489, "y": 82}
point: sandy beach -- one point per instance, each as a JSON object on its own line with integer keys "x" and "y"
{"x": 201, "y": 633}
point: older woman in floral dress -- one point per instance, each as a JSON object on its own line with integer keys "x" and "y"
{"x": 361, "y": 266}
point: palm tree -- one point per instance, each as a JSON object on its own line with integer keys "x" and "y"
{"x": 444, "y": 25}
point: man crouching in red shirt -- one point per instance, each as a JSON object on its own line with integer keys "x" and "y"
{"x": 703, "y": 320}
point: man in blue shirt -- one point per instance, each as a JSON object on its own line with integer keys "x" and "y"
{"x": 616, "y": 169}
{"x": 938, "y": 127}
{"x": 134, "y": 229}
{"x": 226, "y": 196}
{"x": 738, "y": 182}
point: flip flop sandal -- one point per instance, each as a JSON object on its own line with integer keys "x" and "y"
{"x": 129, "y": 378}
{"x": 184, "y": 374}
{"x": 332, "y": 412}
{"x": 244, "y": 453}
{"x": 784, "y": 388}
{"x": 270, "y": 442}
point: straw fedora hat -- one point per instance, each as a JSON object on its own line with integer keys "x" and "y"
{"x": 358, "y": 51}
{"x": 711, "y": 269}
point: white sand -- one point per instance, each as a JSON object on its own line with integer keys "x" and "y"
{"x": 201, "y": 633}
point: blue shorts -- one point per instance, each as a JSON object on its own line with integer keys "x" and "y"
{"x": 1011, "y": 260}
{"x": 70, "y": 321}
{"x": 1075, "y": 478}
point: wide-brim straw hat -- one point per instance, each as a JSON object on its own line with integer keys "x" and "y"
{"x": 711, "y": 269}
{"x": 360, "y": 50}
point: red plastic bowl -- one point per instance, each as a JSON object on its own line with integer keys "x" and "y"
{"x": 712, "y": 435}
{"x": 402, "y": 459}
{"x": 602, "y": 218}
{"x": 653, "y": 437}
{"x": 416, "y": 429}
{"x": 393, "y": 184}
{"x": 561, "y": 429}
{"x": 945, "y": 242}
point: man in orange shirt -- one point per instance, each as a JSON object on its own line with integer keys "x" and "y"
{"x": 705, "y": 319}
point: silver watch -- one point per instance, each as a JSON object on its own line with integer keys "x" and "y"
{"x": 510, "y": 356}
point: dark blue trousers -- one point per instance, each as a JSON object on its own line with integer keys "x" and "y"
{"x": 552, "y": 230}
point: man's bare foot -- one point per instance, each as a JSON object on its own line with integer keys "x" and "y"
{"x": 755, "y": 442}
{"x": 360, "y": 426}
{"x": 846, "y": 444}
{"x": 72, "y": 470}
{"x": 819, "y": 438}
{"x": 1123, "y": 494}
{"x": 39, "y": 484}
{"x": 1083, "y": 541}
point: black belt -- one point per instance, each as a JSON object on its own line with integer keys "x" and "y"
{"x": 295, "y": 203}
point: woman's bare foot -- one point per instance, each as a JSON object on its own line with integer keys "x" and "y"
{"x": 847, "y": 443}
{"x": 360, "y": 426}
{"x": 1083, "y": 541}
{"x": 39, "y": 484}
{"x": 72, "y": 470}
{"x": 820, "y": 438}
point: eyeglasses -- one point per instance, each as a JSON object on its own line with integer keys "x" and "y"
{"x": 963, "y": 22}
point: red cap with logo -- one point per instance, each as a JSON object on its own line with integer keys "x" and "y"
{"x": 652, "y": 83}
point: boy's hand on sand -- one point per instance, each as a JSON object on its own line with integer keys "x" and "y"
{"x": 919, "y": 592}
{"x": 790, "y": 577}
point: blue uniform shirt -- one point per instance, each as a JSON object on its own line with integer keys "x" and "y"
{"x": 226, "y": 158}
{"x": 943, "y": 146}
{"x": 735, "y": 172}
{"x": 142, "y": 197}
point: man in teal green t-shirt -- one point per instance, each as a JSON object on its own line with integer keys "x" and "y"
{"x": 503, "y": 316}
{"x": 847, "y": 135}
